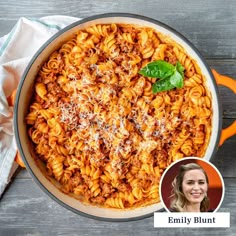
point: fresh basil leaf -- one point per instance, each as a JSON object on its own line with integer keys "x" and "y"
{"x": 180, "y": 68}
{"x": 158, "y": 69}
{"x": 162, "y": 85}
{"x": 177, "y": 80}
{"x": 169, "y": 76}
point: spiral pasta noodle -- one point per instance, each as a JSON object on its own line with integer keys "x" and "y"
{"x": 97, "y": 126}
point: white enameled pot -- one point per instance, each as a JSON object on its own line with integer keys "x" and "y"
{"x": 24, "y": 94}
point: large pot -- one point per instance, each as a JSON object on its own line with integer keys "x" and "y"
{"x": 23, "y": 99}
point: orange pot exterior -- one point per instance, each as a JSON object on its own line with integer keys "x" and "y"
{"x": 18, "y": 160}
{"x": 11, "y": 100}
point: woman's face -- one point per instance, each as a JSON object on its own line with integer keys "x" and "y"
{"x": 194, "y": 186}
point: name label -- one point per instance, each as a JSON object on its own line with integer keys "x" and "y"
{"x": 176, "y": 220}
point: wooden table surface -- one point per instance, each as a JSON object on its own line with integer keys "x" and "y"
{"x": 211, "y": 27}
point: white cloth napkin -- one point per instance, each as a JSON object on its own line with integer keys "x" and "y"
{"x": 16, "y": 50}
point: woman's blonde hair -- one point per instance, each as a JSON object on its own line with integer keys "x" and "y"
{"x": 179, "y": 200}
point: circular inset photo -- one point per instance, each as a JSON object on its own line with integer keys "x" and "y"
{"x": 191, "y": 185}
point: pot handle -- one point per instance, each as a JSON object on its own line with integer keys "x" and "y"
{"x": 231, "y": 84}
{"x": 11, "y": 100}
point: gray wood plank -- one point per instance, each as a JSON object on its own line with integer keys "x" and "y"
{"x": 225, "y": 158}
{"x": 25, "y": 209}
{"x": 209, "y": 25}
{"x": 227, "y": 97}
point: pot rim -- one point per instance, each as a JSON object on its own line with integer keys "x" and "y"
{"x": 51, "y": 39}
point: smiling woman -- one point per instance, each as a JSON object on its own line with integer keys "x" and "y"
{"x": 190, "y": 189}
{"x": 197, "y": 186}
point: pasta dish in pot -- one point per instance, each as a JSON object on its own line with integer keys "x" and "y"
{"x": 98, "y": 127}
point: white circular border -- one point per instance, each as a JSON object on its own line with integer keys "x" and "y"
{"x": 195, "y": 158}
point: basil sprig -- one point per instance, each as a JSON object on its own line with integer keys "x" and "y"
{"x": 169, "y": 76}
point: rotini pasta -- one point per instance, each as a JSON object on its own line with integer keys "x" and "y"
{"x": 97, "y": 126}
